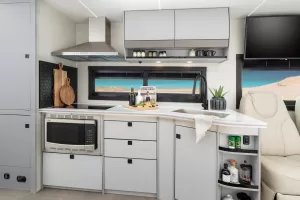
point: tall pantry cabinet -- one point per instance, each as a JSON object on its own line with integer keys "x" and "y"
{"x": 17, "y": 89}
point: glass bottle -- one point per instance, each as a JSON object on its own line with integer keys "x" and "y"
{"x": 225, "y": 173}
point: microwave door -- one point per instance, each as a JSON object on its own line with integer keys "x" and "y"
{"x": 65, "y": 134}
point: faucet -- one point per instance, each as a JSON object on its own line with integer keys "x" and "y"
{"x": 204, "y": 98}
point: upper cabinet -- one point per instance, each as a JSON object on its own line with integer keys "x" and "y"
{"x": 202, "y": 27}
{"x": 149, "y": 26}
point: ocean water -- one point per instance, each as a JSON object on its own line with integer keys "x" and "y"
{"x": 257, "y": 78}
{"x": 136, "y": 83}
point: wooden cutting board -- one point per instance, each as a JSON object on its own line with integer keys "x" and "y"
{"x": 67, "y": 94}
{"x": 140, "y": 108}
{"x": 60, "y": 78}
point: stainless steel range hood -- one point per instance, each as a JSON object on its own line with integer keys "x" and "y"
{"x": 93, "y": 41}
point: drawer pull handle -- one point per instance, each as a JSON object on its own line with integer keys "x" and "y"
{"x": 72, "y": 157}
{"x": 178, "y": 136}
{"x": 129, "y": 161}
{"x": 129, "y": 124}
{"x": 129, "y": 142}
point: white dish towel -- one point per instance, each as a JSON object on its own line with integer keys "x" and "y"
{"x": 202, "y": 124}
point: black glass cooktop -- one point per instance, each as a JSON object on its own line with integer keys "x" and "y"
{"x": 87, "y": 106}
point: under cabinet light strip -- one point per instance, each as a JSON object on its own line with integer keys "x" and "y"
{"x": 257, "y": 7}
{"x": 83, "y": 4}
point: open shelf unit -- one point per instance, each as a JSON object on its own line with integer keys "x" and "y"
{"x": 249, "y": 154}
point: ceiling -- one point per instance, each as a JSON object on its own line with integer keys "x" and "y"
{"x": 113, "y": 9}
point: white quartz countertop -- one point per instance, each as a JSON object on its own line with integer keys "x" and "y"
{"x": 234, "y": 118}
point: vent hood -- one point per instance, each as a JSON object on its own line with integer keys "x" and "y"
{"x": 93, "y": 41}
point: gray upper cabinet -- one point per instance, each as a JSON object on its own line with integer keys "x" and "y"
{"x": 16, "y": 42}
{"x": 146, "y": 26}
{"x": 198, "y": 25}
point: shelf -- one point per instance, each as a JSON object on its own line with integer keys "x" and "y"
{"x": 248, "y": 152}
{"x": 235, "y": 186}
{"x": 203, "y": 59}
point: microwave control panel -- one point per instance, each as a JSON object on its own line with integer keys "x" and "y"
{"x": 91, "y": 134}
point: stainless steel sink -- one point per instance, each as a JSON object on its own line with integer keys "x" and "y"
{"x": 202, "y": 112}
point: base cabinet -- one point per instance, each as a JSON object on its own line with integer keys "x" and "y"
{"x": 132, "y": 175}
{"x": 72, "y": 171}
{"x": 195, "y": 165}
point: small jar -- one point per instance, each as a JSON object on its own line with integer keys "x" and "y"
{"x": 134, "y": 54}
{"x": 161, "y": 54}
{"x": 154, "y": 54}
{"x": 139, "y": 54}
{"x": 150, "y": 54}
{"x": 143, "y": 54}
{"x": 164, "y": 54}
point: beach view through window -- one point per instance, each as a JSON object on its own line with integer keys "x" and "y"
{"x": 285, "y": 83}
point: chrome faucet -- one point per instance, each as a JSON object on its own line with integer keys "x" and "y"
{"x": 204, "y": 98}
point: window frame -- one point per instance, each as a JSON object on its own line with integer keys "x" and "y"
{"x": 161, "y": 97}
{"x": 290, "y": 105}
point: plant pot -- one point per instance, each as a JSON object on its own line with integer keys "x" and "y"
{"x": 218, "y": 104}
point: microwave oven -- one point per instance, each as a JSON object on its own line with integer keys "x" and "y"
{"x": 71, "y": 136}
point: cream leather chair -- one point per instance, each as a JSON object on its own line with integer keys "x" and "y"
{"x": 280, "y": 146}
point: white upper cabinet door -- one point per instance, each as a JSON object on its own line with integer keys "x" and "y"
{"x": 149, "y": 25}
{"x": 194, "y": 24}
{"x": 15, "y": 42}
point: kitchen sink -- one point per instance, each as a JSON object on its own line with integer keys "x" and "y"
{"x": 202, "y": 112}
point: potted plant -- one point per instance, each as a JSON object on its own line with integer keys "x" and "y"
{"x": 218, "y": 102}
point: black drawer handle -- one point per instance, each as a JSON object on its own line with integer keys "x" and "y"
{"x": 72, "y": 156}
{"x": 129, "y": 142}
{"x": 129, "y": 124}
{"x": 129, "y": 161}
{"x": 178, "y": 136}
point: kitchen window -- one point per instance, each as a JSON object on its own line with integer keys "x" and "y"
{"x": 174, "y": 84}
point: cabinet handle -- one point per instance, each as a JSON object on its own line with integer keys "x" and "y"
{"x": 129, "y": 161}
{"x": 178, "y": 136}
{"x": 129, "y": 124}
{"x": 72, "y": 157}
{"x": 129, "y": 142}
{"x": 26, "y": 125}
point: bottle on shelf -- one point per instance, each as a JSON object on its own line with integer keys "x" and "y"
{"x": 228, "y": 197}
{"x": 231, "y": 142}
{"x": 132, "y": 97}
{"x": 234, "y": 173}
{"x": 225, "y": 174}
{"x": 238, "y": 142}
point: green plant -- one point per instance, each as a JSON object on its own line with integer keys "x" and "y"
{"x": 218, "y": 93}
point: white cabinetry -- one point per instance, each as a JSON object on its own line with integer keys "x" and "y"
{"x": 130, "y": 156}
{"x": 72, "y": 171}
{"x": 149, "y": 25}
{"x": 16, "y": 41}
{"x": 195, "y": 165}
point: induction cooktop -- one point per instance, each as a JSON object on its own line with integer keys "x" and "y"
{"x": 87, "y": 106}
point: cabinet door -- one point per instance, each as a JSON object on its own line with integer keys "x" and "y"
{"x": 195, "y": 165}
{"x": 15, "y": 40}
{"x": 16, "y": 141}
{"x": 149, "y": 25}
{"x": 80, "y": 171}
{"x": 193, "y": 24}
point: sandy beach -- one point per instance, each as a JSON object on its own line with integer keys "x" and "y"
{"x": 288, "y": 89}
{"x": 158, "y": 90}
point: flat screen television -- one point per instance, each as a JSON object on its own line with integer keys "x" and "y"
{"x": 272, "y": 37}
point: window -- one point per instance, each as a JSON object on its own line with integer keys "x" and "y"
{"x": 174, "y": 84}
{"x": 279, "y": 77}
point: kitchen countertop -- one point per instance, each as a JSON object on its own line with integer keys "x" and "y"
{"x": 234, "y": 118}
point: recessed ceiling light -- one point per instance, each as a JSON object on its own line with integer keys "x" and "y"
{"x": 158, "y": 62}
{"x": 189, "y": 62}
{"x": 83, "y": 4}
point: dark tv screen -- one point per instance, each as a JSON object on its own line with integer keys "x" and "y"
{"x": 275, "y": 37}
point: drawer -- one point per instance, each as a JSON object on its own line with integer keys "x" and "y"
{"x": 130, "y": 130}
{"x": 130, "y": 149}
{"x": 61, "y": 170}
{"x": 138, "y": 176}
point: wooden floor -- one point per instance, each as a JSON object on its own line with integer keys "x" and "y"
{"x": 55, "y": 194}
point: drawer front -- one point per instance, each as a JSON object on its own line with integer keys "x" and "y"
{"x": 139, "y": 176}
{"x": 82, "y": 172}
{"x": 130, "y": 149}
{"x": 130, "y": 130}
